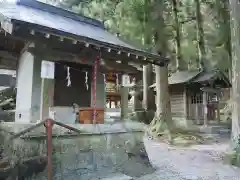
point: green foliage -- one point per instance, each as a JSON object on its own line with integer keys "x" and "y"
{"x": 137, "y": 20}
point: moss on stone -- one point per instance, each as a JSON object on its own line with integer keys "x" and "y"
{"x": 233, "y": 158}
{"x": 161, "y": 130}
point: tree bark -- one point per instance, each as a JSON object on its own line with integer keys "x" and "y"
{"x": 163, "y": 117}
{"x": 148, "y": 93}
{"x": 235, "y": 40}
{"x": 202, "y": 64}
{"x": 224, "y": 26}
{"x": 179, "y": 61}
{"x": 163, "y": 99}
{"x": 163, "y": 111}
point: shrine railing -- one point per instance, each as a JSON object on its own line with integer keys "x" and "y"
{"x": 48, "y": 124}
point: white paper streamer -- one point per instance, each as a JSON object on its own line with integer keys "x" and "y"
{"x": 117, "y": 80}
{"x": 104, "y": 79}
{"x": 86, "y": 80}
{"x": 68, "y": 77}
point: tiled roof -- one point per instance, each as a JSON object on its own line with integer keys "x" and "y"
{"x": 180, "y": 77}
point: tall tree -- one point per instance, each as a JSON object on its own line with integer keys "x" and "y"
{"x": 235, "y": 40}
{"x": 163, "y": 120}
{"x": 200, "y": 37}
{"x": 148, "y": 93}
{"x": 223, "y": 19}
{"x": 177, "y": 27}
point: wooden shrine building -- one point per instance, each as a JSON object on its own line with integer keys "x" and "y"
{"x": 195, "y": 95}
{"x": 82, "y": 51}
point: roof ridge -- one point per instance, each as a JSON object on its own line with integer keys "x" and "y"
{"x": 194, "y": 77}
{"x": 59, "y": 11}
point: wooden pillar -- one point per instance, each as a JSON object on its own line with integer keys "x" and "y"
{"x": 218, "y": 110}
{"x": 185, "y": 100}
{"x": 197, "y": 114}
{"x": 205, "y": 109}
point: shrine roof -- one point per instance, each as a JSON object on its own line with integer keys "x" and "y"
{"x": 187, "y": 77}
{"x": 64, "y": 23}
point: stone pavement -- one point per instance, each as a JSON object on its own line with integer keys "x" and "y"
{"x": 200, "y": 162}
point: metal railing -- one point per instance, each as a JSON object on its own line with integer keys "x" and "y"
{"x": 48, "y": 123}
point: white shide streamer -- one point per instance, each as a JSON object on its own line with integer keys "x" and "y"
{"x": 117, "y": 80}
{"x": 104, "y": 79}
{"x": 68, "y": 77}
{"x": 86, "y": 80}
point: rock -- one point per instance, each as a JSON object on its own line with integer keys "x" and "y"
{"x": 26, "y": 168}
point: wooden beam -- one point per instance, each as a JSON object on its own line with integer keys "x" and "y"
{"x": 210, "y": 89}
{"x": 55, "y": 55}
{"x": 9, "y": 55}
{"x": 119, "y": 66}
{"x": 40, "y": 37}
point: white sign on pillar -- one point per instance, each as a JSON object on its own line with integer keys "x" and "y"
{"x": 126, "y": 80}
{"x": 47, "y": 69}
{"x": 205, "y": 110}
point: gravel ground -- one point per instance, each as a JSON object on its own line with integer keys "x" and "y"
{"x": 200, "y": 162}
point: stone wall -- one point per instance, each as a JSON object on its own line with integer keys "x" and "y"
{"x": 88, "y": 156}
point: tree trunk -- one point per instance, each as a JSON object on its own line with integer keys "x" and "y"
{"x": 224, "y": 26}
{"x": 163, "y": 111}
{"x": 163, "y": 99}
{"x": 202, "y": 64}
{"x": 235, "y": 34}
{"x": 148, "y": 93}
{"x": 179, "y": 61}
{"x": 163, "y": 118}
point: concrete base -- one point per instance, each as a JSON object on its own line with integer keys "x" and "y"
{"x": 91, "y": 156}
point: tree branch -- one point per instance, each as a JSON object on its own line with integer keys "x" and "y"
{"x": 188, "y": 20}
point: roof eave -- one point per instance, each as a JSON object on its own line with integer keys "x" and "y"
{"x": 149, "y": 57}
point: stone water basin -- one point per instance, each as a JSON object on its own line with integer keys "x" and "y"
{"x": 91, "y": 157}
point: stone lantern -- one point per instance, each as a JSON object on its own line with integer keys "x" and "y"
{"x": 135, "y": 103}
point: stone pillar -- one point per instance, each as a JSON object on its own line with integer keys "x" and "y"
{"x": 47, "y": 97}
{"x": 134, "y": 101}
{"x": 124, "y": 102}
{"x": 205, "y": 108}
{"x": 28, "y": 89}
